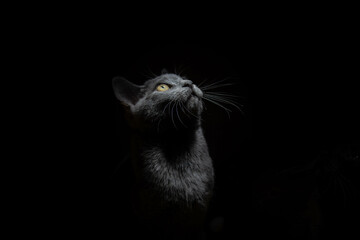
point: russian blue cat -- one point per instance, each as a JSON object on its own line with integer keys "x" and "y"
{"x": 169, "y": 154}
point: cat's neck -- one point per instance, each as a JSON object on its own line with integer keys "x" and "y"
{"x": 174, "y": 137}
{"x": 168, "y": 134}
{"x": 178, "y": 165}
{"x": 172, "y": 146}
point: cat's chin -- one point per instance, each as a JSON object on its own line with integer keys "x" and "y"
{"x": 194, "y": 105}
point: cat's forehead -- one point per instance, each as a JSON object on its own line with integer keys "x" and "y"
{"x": 165, "y": 78}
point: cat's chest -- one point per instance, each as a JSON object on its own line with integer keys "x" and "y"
{"x": 173, "y": 169}
{"x": 186, "y": 176}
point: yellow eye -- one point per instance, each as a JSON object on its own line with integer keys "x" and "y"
{"x": 162, "y": 87}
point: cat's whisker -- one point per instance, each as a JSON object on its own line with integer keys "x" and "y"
{"x": 224, "y": 100}
{"x": 214, "y": 83}
{"x": 192, "y": 113}
{"x": 221, "y": 97}
{"x": 205, "y": 88}
{"x": 172, "y": 114}
{"x": 182, "y": 107}
{"x": 185, "y": 111}
{"x": 220, "y": 105}
{"x": 166, "y": 107}
{"x": 177, "y": 112}
{"x": 223, "y": 94}
{"x": 150, "y": 74}
{"x": 180, "y": 70}
{"x": 201, "y": 83}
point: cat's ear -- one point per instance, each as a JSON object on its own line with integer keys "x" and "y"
{"x": 125, "y": 91}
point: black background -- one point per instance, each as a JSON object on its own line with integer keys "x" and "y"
{"x": 297, "y": 84}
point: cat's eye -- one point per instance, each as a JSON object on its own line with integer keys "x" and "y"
{"x": 162, "y": 87}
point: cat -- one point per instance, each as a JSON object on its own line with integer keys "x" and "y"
{"x": 172, "y": 166}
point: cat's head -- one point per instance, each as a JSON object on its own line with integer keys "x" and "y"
{"x": 166, "y": 101}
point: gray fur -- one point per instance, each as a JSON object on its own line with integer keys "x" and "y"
{"x": 170, "y": 156}
{"x": 184, "y": 177}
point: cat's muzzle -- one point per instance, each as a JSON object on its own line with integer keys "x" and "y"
{"x": 196, "y": 91}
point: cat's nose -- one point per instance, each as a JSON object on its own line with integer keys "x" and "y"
{"x": 197, "y": 91}
{"x": 187, "y": 83}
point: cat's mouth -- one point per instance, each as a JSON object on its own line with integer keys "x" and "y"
{"x": 194, "y": 104}
{"x": 194, "y": 100}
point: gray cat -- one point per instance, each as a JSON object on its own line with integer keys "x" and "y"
{"x": 173, "y": 169}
